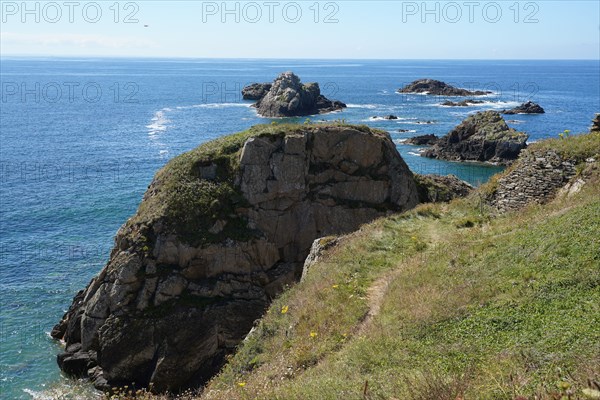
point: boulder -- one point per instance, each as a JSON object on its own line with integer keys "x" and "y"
{"x": 318, "y": 249}
{"x": 428, "y": 140}
{"x": 439, "y": 88}
{"x": 255, "y": 91}
{"x": 220, "y": 231}
{"x": 525, "y": 108}
{"x": 289, "y": 97}
{"x": 436, "y": 188}
{"x": 481, "y": 137}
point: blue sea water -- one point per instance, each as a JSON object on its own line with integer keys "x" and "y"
{"x": 81, "y": 139}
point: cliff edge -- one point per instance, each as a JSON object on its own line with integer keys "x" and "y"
{"x": 221, "y": 230}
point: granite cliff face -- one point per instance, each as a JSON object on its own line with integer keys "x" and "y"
{"x": 481, "y": 137}
{"x": 220, "y": 231}
{"x": 287, "y": 96}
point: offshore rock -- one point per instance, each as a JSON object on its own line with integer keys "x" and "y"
{"x": 481, "y": 137}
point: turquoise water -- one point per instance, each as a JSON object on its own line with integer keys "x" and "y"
{"x": 82, "y": 138}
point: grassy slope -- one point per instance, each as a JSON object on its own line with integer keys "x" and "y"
{"x": 439, "y": 303}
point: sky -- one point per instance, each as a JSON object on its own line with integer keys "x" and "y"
{"x": 546, "y": 29}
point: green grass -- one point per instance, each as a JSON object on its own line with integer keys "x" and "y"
{"x": 469, "y": 306}
{"x": 574, "y": 147}
{"x": 447, "y": 301}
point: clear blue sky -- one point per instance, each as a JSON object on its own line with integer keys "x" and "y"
{"x": 266, "y": 29}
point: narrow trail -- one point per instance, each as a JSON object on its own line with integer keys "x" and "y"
{"x": 378, "y": 290}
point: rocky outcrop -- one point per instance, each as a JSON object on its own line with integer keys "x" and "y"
{"x": 422, "y": 140}
{"x": 439, "y": 88}
{"x": 436, "y": 188}
{"x": 595, "y": 124}
{"x": 525, "y": 108}
{"x": 481, "y": 137}
{"x": 464, "y": 103}
{"x": 288, "y": 97}
{"x": 255, "y": 91}
{"x": 388, "y": 117}
{"x": 222, "y": 230}
{"x": 318, "y": 249}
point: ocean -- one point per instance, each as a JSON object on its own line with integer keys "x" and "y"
{"x": 81, "y": 139}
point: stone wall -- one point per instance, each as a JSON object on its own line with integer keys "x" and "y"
{"x": 536, "y": 177}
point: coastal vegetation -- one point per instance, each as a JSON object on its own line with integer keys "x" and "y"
{"x": 447, "y": 301}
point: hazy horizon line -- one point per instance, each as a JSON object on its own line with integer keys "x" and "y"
{"x": 287, "y": 58}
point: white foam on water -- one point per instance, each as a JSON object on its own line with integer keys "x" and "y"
{"x": 222, "y": 105}
{"x": 159, "y": 122}
{"x": 366, "y": 106}
{"x": 64, "y": 392}
{"x": 214, "y": 105}
{"x": 385, "y": 119}
{"x": 492, "y": 104}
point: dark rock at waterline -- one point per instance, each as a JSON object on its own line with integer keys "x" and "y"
{"x": 595, "y": 124}
{"x": 287, "y": 96}
{"x": 525, "y": 108}
{"x": 255, "y": 91}
{"x": 464, "y": 103}
{"x": 435, "y": 87}
{"x": 481, "y": 137}
{"x": 422, "y": 140}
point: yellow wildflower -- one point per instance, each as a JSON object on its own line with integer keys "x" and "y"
{"x": 284, "y": 309}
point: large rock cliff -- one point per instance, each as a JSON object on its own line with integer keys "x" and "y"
{"x": 220, "y": 231}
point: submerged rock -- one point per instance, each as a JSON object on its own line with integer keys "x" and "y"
{"x": 288, "y": 97}
{"x": 222, "y": 230}
{"x": 434, "y": 87}
{"x": 525, "y": 108}
{"x": 481, "y": 137}
{"x": 388, "y": 117}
